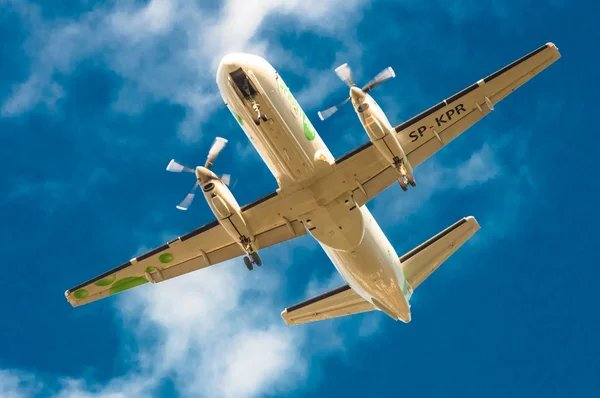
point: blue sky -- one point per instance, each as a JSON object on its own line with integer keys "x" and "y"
{"x": 96, "y": 98}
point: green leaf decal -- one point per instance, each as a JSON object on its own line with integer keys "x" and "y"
{"x": 80, "y": 294}
{"x": 309, "y": 130}
{"x": 127, "y": 283}
{"x": 165, "y": 258}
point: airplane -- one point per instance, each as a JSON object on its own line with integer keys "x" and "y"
{"x": 318, "y": 194}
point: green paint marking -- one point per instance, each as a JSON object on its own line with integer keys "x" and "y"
{"x": 150, "y": 269}
{"x": 127, "y": 283}
{"x": 405, "y": 288}
{"x": 309, "y": 131}
{"x": 106, "y": 281}
{"x": 81, "y": 294}
{"x": 238, "y": 118}
{"x": 165, "y": 258}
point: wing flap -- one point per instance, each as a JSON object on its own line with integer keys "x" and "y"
{"x": 338, "y": 302}
{"x": 424, "y": 259}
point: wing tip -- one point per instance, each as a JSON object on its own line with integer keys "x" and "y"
{"x": 70, "y": 298}
{"x": 285, "y": 317}
{"x": 553, "y": 47}
{"x": 472, "y": 220}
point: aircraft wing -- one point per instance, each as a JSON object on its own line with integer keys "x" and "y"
{"x": 201, "y": 248}
{"x": 338, "y": 302}
{"x": 365, "y": 172}
{"x": 426, "y": 133}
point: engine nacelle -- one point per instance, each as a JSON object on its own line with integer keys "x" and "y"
{"x": 223, "y": 204}
{"x": 220, "y": 199}
{"x": 380, "y": 132}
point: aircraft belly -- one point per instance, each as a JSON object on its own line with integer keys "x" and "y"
{"x": 373, "y": 270}
{"x": 338, "y": 225}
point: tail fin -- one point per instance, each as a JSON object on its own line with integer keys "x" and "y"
{"x": 421, "y": 261}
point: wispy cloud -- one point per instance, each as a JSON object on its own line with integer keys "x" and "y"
{"x": 164, "y": 50}
{"x": 16, "y": 384}
{"x": 216, "y": 332}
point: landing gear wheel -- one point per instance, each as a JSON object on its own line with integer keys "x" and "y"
{"x": 403, "y": 181}
{"x": 412, "y": 182}
{"x": 248, "y": 263}
{"x": 256, "y": 258}
{"x": 257, "y": 122}
{"x": 264, "y": 118}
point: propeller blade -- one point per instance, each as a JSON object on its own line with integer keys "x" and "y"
{"x": 330, "y": 111}
{"x": 175, "y": 167}
{"x": 327, "y": 112}
{"x": 187, "y": 201}
{"x": 226, "y": 178}
{"x": 214, "y": 151}
{"x": 345, "y": 73}
{"x": 382, "y": 76}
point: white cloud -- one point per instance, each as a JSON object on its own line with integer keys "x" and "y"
{"x": 481, "y": 167}
{"x": 434, "y": 178}
{"x": 215, "y": 332}
{"x": 14, "y": 384}
{"x": 219, "y": 334}
{"x": 163, "y": 50}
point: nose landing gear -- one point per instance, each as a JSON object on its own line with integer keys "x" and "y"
{"x": 259, "y": 115}
{"x": 255, "y": 105}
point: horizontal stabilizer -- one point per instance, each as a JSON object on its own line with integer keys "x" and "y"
{"x": 338, "y": 302}
{"x": 421, "y": 261}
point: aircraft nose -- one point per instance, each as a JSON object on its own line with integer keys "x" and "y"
{"x": 228, "y": 64}
{"x": 232, "y": 61}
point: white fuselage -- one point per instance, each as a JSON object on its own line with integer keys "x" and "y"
{"x": 297, "y": 157}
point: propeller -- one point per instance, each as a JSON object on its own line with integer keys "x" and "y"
{"x": 330, "y": 111}
{"x": 214, "y": 151}
{"x": 187, "y": 201}
{"x": 176, "y": 167}
{"x": 345, "y": 74}
{"x": 382, "y": 76}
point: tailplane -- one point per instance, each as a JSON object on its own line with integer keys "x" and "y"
{"x": 421, "y": 261}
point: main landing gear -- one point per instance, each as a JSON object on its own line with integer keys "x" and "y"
{"x": 405, "y": 178}
{"x": 252, "y": 259}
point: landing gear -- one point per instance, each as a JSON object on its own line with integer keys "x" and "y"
{"x": 248, "y": 263}
{"x": 262, "y": 117}
{"x": 403, "y": 183}
{"x": 255, "y": 105}
{"x": 405, "y": 178}
{"x": 252, "y": 259}
{"x": 256, "y": 258}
